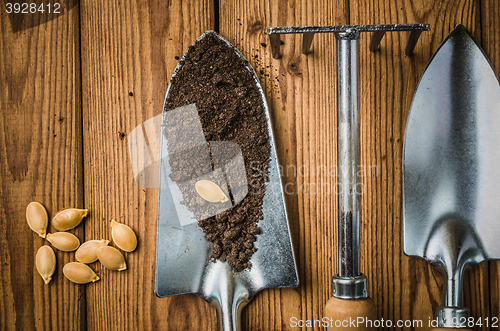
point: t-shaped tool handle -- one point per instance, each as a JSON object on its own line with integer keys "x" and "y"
{"x": 350, "y": 283}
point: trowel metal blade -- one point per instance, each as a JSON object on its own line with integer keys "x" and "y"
{"x": 182, "y": 260}
{"x": 451, "y": 158}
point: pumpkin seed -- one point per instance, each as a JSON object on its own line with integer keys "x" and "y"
{"x": 210, "y": 191}
{"x": 45, "y": 262}
{"x": 64, "y": 241}
{"x": 79, "y": 273}
{"x": 111, "y": 258}
{"x": 87, "y": 253}
{"x": 37, "y": 218}
{"x": 69, "y": 218}
{"x": 123, "y": 236}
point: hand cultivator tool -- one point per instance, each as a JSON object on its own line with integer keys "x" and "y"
{"x": 350, "y": 297}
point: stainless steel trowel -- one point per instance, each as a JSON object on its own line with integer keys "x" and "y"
{"x": 451, "y": 172}
{"x": 183, "y": 263}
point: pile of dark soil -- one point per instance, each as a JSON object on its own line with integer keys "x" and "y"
{"x": 230, "y": 109}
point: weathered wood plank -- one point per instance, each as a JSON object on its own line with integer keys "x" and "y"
{"x": 40, "y": 160}
{"x": 403, "y": 288}
{"x": 128, "y": 51}
{"x": 300, "y": 91}
{"x": 490, "y": 42}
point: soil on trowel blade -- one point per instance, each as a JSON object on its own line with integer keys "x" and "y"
{"x": 230, "y": 109}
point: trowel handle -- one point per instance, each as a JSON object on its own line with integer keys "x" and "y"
{"x": 341, "y": 312}
{"x": 229, "y": 318}
{"x": 229, "y": 304}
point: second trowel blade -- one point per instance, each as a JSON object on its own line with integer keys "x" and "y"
{"x": 450, "y": 162}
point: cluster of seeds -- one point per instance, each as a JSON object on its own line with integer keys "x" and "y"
{"x": 89, "y": 252}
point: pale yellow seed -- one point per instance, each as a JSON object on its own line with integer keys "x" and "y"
{"x": 111, "y": 258}
{"x": 45, "y": 263}
{"x": 37, "y": 218}
{"x": 123, "y": 236}
{"x": 69, "y": 218}
{"x": 79, "y": 273}
{"x": 87, "y": 253}
{"x": 64, "y": 241}
{"x": 210, "y": 191}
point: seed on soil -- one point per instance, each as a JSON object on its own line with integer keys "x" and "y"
{"x": 37, "y": 218}
{"x": 64, "y": 241}
{"x": 87, "y": 253}
{"x": 111, "y": 258}
{"x": 210, "y": 191}
{"x": 123, "y": 236}
{"x": 79, "y": 273}
{"x": 45, "y": 263}
{"x": 69, "y": 218}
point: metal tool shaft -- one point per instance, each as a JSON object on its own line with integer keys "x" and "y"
{"x": 349, "y": 283}
{"x": 348, "y": 154}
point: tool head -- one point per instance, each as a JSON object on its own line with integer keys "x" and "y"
{"x": 346, "y": 31}
{"x": 183, "y": 263}
{"x": 451, "y": 175}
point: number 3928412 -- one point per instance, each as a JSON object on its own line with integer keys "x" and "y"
{"x": 32, "y": 8}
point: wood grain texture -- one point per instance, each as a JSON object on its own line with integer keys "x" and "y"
{"x": 490, "y": 42}
{"x": 300, "y": 91}
{"x": 127, "y": 56}
{"x": 40, "y": 160}
{"x": 128, "y": 51}
{"x": 404, "y": 288}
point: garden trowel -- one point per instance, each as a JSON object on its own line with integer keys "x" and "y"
{"x": 451, "y": 170}
{"x": 183, "y": 262}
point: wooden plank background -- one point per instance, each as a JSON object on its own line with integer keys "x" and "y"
{"x": 73, "y": 86}
{"x": 40, "y": 160}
